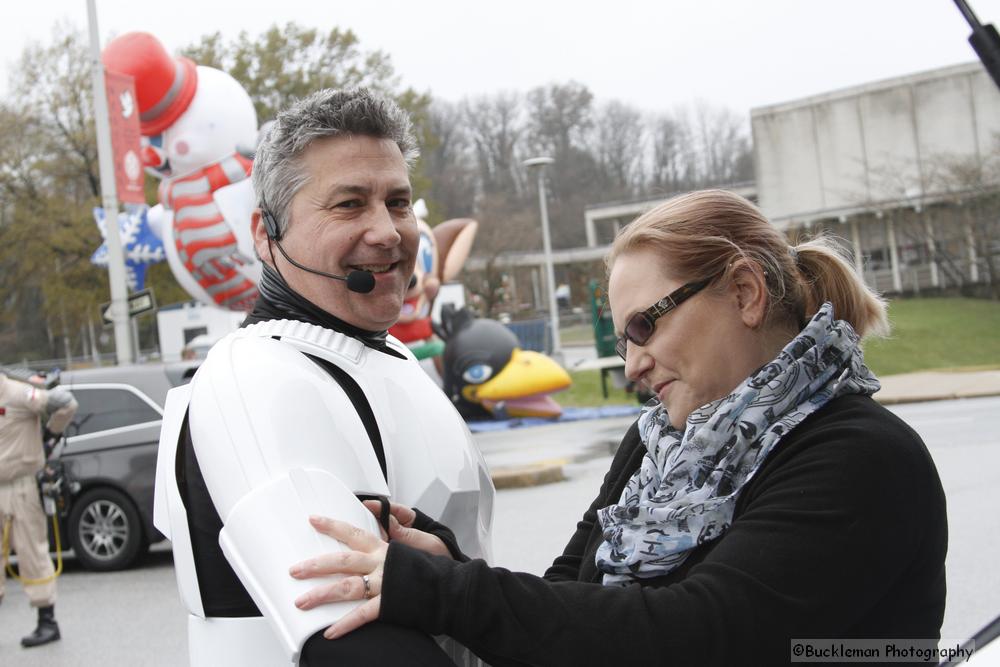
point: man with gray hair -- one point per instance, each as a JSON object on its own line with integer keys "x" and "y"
{"x": 312, "y": 407}
{"x": 347, "y": 256}
{"x": 23, "y": 402}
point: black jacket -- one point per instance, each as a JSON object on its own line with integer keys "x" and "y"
{"x": 842, "y": 533}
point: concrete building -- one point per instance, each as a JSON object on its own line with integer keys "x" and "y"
{"x": 905, "y": 170}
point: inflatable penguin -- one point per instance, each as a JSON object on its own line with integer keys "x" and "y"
{"x": 488, "y": 376}
{"x": 199, "y": 128}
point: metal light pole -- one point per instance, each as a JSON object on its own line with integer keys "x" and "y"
{"x": 109, "y": 198}
{"x": 550, "y": 274}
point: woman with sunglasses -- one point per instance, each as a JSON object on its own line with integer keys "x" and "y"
{"x": 762, "y": 497}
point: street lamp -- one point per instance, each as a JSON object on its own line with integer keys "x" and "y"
{"x": 541, "y": 163}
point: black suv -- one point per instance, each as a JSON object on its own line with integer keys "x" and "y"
{"x": 110, "y": 450}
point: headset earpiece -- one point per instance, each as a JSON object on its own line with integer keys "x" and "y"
{"x": 270, "y": 225}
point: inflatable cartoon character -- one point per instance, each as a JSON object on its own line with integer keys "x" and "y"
{"x": 440, "y": 256}
{"x": 200, "y": 127}
{"x": 488, "y": 375}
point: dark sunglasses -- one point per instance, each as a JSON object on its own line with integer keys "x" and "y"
{"x": 640, "y": 326}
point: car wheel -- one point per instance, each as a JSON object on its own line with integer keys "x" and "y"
{"x": 105, "y": 530}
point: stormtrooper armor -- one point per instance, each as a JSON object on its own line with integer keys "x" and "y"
{"x": 277, "y": 439}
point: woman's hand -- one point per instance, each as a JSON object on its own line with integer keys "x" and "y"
{"x": 366, "y": 561}
{"x": 401, "y": 529}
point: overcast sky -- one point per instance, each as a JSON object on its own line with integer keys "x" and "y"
{"x": 655, "y": 54}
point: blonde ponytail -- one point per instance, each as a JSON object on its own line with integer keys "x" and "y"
{"x": 828, "y": 275}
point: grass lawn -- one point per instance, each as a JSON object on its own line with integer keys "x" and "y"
{"x": 585, "y": 392}
{"x": 938, "y": 334}
{"x": 927, "y": 334}
{"x": 577, "y": 334}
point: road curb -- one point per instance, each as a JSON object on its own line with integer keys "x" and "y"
{"x": 532, "y": 474}
{"x": 901, "y": 400}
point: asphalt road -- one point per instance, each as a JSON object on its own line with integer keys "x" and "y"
{"x": 135, "y": 616}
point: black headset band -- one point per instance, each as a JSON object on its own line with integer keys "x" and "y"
{"x": 271, "y": 227}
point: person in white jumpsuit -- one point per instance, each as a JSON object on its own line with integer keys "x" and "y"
{"x": 312, "y": 407}
{"x": 23, "y": 403}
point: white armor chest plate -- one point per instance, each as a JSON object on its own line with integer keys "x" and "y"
{"x": 277, "y": 438}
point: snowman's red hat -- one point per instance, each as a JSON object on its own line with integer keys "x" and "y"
{"x": 164, "y": 86}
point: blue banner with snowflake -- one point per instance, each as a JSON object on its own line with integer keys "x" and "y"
{"x": 141, "y": 244}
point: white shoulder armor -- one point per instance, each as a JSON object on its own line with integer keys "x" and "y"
{"x": 278, "y": 437}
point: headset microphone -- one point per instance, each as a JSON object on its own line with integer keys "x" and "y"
{"x": 361, "y": 282}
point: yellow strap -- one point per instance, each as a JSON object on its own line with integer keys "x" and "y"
{"x": 6, "y": 554}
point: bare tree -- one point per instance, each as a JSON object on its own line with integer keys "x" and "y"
{"x": 559, "y": 116}
{"x": 952, "y": 207}
{"x": 505, "y": 226}
{"x": 672, "y": 157}
{"x": 974, "y": 181}
{"x": 698, "y": 147}
{"x": 494, "y": 125}
{"x": 618, "y": 144}
{"x": 449, "y": 163}
{"x": 52, "y": 84}
{"x": 721, "y": 145}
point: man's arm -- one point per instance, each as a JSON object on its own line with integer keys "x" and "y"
{"x": 58, "y": 403}
{"x": 276, "y": 440}
{"x": 60, "y": 406}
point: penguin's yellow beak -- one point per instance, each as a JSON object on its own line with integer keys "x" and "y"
{"x": 522, "y": 386}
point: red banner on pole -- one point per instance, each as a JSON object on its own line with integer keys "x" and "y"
{"x": 123, "y": 113}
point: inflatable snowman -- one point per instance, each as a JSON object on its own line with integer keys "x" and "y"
{"x": 199, "y": 128}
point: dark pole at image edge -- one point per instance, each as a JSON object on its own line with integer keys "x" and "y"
{"x": 985, "y": 41}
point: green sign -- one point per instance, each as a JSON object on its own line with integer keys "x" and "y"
{"x": 604, "y": 328}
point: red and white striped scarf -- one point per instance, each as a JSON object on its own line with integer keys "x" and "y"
{"x": 205, "y": 244}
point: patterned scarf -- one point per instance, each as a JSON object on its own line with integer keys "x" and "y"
{"x": 686, "y": 488}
